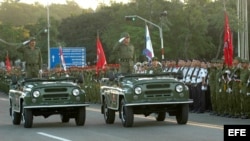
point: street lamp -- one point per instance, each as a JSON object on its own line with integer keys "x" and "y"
{"x": 132, "y": 18}
{"x": 48, "y": 24}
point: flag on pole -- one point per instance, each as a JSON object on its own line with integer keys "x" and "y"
{"x": 7, "y": 63}
{"x": 62, "y": 58}
{"x": 101, "y": 58}
{"x": 148, "y": 51}
{"x": 228, "y": 45}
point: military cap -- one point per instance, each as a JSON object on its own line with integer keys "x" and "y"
{"x": 220, "y": 61}
{"x": 237, "y": 58}
{"x": 125, "y": 34}
{"x": 32, "y": 39}
{"x": 154, "y": 58}
{"x": 213, "y": 60}
{"x": 244, "y": 61}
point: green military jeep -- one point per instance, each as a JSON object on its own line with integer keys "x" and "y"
{"x": 144, "y": 94}
{"x": 46, "y": 97}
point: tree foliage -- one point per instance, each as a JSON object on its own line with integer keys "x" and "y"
{"x": 191, "y": 29}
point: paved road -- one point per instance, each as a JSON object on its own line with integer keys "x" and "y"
{"x": 200, "y": 127}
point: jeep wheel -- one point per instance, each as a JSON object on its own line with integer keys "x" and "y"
{"x": 27, "y": 118}
{"x": 109, "y": 114}
{"x": 160, "y": 116}
{"x": 126, "y": 114}
{"x": 182, "y": 114}
{"x": 64, "y": 118}
{"x": 16, "y": 117}
{"x": 81, "y": 116}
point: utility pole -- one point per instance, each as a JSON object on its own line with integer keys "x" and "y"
{"x": 243, "y": 49}
{"x": 48, "y": 31}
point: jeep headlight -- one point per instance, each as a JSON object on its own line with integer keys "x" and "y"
{"x": 138, "y": 90}
{"x": 179, "y": 88}
{"x": 75, "y": 92}
{"x": 36, "y": 94}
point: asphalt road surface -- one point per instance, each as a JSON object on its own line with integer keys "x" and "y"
{"x": 200, "y": 127}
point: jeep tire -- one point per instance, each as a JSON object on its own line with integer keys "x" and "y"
{"x": 109, "y": 114}
{"x": 80, "y": 116}
{"x": 160, "y": 116}
{"x": 182, "y": 114}
{"x": 27, "y": 118}
{"x": 126, "y": 114}
{"x": 16, "y": 117}
{"x": 64, "y": 118}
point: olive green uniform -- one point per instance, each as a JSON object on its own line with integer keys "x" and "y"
{"x": 124, "y": 55}
{"x": 246, "y": 104}
{"x": 235, "y": 97}
{"x": 219, "y": 90}
{"x": 224, "y": 92}
{"x": 33, "y": 59}
{"x": 231, "y": 90}
{"x": 244, "y": 92}
{"x": 154, "y": 69}
{"x": 212, "y": 84}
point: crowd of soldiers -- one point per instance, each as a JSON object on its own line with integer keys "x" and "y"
{"x": 214, "y": 87}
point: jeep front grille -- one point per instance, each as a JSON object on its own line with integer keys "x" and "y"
{"x": 49, "y": 90}
{"x": 157, "y": 86}
{"x": 158, "y": 93}
{"x": 52, "y": 97}
{"x": 56, "y": 94}
{"x": 157, "y": 90}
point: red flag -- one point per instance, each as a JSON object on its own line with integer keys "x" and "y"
{"x": 228, "y": 45}
{"x": 101, "y": 59}
{"x": 7, "y": 63}
{"x": 62, "y": 58}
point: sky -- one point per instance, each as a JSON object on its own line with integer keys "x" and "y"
{"x": 82, "y": 3}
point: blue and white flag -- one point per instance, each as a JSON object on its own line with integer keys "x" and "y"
{"x": 148, "y": 51}
{"x": 62, "y": 58}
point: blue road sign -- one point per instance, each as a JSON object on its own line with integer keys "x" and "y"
{"x": 73, "y": 56}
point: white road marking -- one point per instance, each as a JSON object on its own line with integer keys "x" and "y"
{"x": 4, "y": 99}
{"x": 52, "y": 136}
{"x": 174, "y": 121}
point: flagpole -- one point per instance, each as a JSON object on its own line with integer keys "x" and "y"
{"x": 97, "y": 38}
{"x": 97, "y": 33}
{"x": 239, "y": 39}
